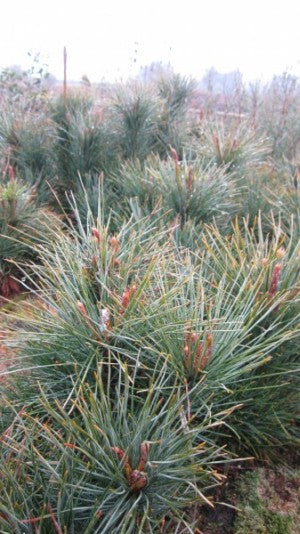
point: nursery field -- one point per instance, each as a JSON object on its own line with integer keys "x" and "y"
{"x": 149, "y": 308}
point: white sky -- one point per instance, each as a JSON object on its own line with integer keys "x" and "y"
{"x": 260, "y": 37}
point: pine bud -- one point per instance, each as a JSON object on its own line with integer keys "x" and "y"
{"x": 174, "y": 155}
{"x": 81, "y": 308}
{"x": 96, "y": 234}
{"x": 186, "y": 350}
{"x": 119, "y": 452}
{"x": 137, "y": 480}
{"x": 190, "y": 179}
{"x": 14, "y": 286}
{"x": 194, "y": 337}
{"x": 280, "y": 253}
{"x": 197, "y": 357}
{"x": 274, "y": 280}
{"x": 123, "y": 456}
{"x": 125, "y": 298}
{"x": 114, "y": 243}
{"x": 145, "y": 447}
{"x": 208, "y": 352}
{"x": 11, "y": 173}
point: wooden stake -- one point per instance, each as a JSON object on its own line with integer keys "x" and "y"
{"x": 65, "y": 77}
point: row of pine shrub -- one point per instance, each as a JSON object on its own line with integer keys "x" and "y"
{"x": 154, "y": 251}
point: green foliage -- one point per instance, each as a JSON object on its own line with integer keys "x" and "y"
{"x": 22, "y": 223}
{"x": 163, "y": 319}
{"x": 269, "y": 268}
{"x": 122, "y": 459}
{"x": 134, "y": 121}
{"x": 26, "y": 143}
{"x": 271, "y": 193}
{"x": 90, "y": 272}
{"x": 176, "y": 91}
{"x": 233, "y": 143}
{"x": 184, "y": 192}
{"x": 84, "y": 142}
{"x": 174, "y": 122}
{"x": 217, "y": 316}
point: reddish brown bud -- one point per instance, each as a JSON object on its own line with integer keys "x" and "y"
{"x": 208, "y": 352}
{"x": 120, "y": 453}
{"x": 137, "y": 480}
{"x": 174, "y": 155}
{"x": 186, "y": 350}
{"x": 280, "y": 253}
{"x": 194, "y": 337}
{"x": 127, "y": 468}
{"x": 123, "y": 456}
{"x": 13, "y": 285}
{"x": 96, "y": 234}
{"x": 114, "y": 243}
{"x": 81, "y": 308}
{"x": 274, "y": 280}
{"x": 190, "y": 179}
{"x": 125, "y": 298}
{"x": 145, "y": 447}
{"x": 11, "y": 173}
{"x": 197, "y": 357}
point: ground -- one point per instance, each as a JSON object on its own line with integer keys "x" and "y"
{"x": 265, "y": 500}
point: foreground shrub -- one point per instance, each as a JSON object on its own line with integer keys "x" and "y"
{"x": 220, "y": 318}
{"x": 152, "y": 359}
{"x": 116, "y": 459}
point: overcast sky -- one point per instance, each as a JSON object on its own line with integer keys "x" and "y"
{"x": 113, "y": 38}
